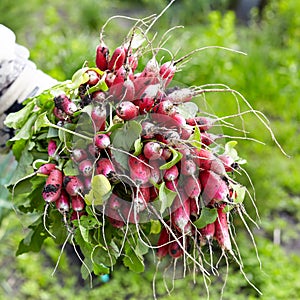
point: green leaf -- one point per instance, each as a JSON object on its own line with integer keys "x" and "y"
{"x": 138, "y": 146}
{"x": 125, "y": 137}
{"x": 195, "y": 138}
{"x": 187, "y": 109}
{"x": 18, "y": 119}
{"x": 133, "y": 262}
{"x": 166, "y": 197}
{"x": 141, "y": 249}
{"x": 176, "y": 157}
{"x": 100, "y": 186}
{"x": 41, "y": 121}
{"x": 34, "y": 239}
{"x": 78, "y": 78}
{"x": 25, "y": 132}
{"x": 70, "y": 168}
{"x": 231, "y": 151}
{"x": 207, "y": 216}
{"x": 155, "y": 227}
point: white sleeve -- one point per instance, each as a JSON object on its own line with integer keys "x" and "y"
{"x": 19, "y": 77}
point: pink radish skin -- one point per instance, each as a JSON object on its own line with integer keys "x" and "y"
{"x": 117, "y": 59}
{"x": 144, "y": 104}
{"x": 105, "y": 167}
{"x": 180, "y": 96}
{"x": 192, "y": 187}
{"x": 162, "y": 243}
{"x": 207, "y": 233}
{"x": 203, "y": 123}
{"x": 209, "y": 138}
{"x": 102, "y": 54}
{"x": 77, "y": 203}
{"x": 60, "y": 114}
{"x": 102, "y": 141}
{"x": 51, "y": 148}
{"x": 156, "y": 174}
{"x": 46, "y": 169}
{"x": 79, "y": 154}
{"x": 98, "y": 96}
{"x": 213, "y": 187}
{"x": 194, "y": 208}
{"x": 77, "y": 215}
{"x": 65, "y": 104}
{"x": 175, "y": 250}
{"x": 180, "y": 217}
{"x": 188, "y": 167}
{"x": 93, "y": 77}
{"x": 152, "y": 150}
{"x": 114, "y": 202}
{"x": 167, "y": 72}
{"x": 222, "y": 235}
{"x": 63, "y": 202}
{"x": 52, "y": 189}
{"x": 98, "y": 116}
{"x": 139, "y": 171}
{"x": 86, "y": 167}
{"x": 126, "y": 110}
{"x": 73, "y": 185}
{"x": 88, "y": 183}
{"x": 148, "y": 130}
{"x": 166, "y": 154}
{"x": 154, "y": 192}
{"x": 165, "y": 107}
{"x": 228, "y": 162}
{"x": 171, "y": 174}
{"x": 172, "y": 185}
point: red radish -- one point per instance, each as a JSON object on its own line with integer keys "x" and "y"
{"x": 102, "y": 54}
{"x": 152, "y": 150}
{"x": 207, "y": 233}
{"x": 166, "y": 153}
{"x": 102, "y": 141}
{"x": 79, "y": 154}
{"x": 140, "y": 172}
{"x": 117, "y": 59}
{"x": 209, "y": 138}
{"x": 188, "y": 167}
{"x": 222, "y": 231}
{"x": 213, "y": 187}
{"x": 65, "y": 104}
{"x": 228, "y": 162}
{"x": 93, "y": 77}
{"x": 132, "y": 61}
{"x": 145, "y": 104}
{"x": 105, "y": 167}
{"x": 141, "y": 83}
{"x": 46, "y": 169}
{"x": 203, "y": 123}
{"x": 77, "y": 203}
{"x": 154, "y": 192}
{"x": 172, "y": 185}
{"x": 86, "y": 167}
{"x": 60, "y": 114}
{"x": 98, "y": 116}
{"x": 180, "y": 95}
{"x": 116, "y": 223}
{"x": 168, "y": 137}
{"x": 76, "y": 215}
{"x": 88, "y": 183}
{"x": 192, "y": 187}
{"x": 165, "y": 107}
{"x": 114, "y": 202}
{"x": 175, "y": 250}
{"x": 52, "y": 189}
{"x": 98, "y": 96}
{"x": 180, "y": 217}
{"x": 128, "y": 90}
{"x": 73, "y": 185}
{"x": 109, "y": 78}
{"x": 162, "y": 243}
{"x": 126, "y": 110}
{"x": 167, "y": 72}
{"x": 171, "y": 174}
{"x": 63, "y": 202}
{"x": 156, "y": 175}
{"x": 194, "y": 207}
{"x": 52, "y": 147}
{"x": 93, "y": 150}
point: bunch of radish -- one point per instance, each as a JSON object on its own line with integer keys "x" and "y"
{"x": 128, "y": 159}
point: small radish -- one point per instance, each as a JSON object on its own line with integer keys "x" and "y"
{"x": 117, "y": 59}
{"x": 77, "y": 203}
{"x": 171, "y": 174}
{"x": 222, "y": 231}
{"x": 140, "y": 172}
{"x": 98, "y": 116}
{"x": 60, "y": 114}
{"x": 114, "y": 202}
{"x": 46, "y": 169}
{"x": 180, "y": 217}
{"x": 87, "y": 183}
{"x": 152, "y": 150}
{"x": 98, "y": 96}
{"x": 63, "y": 202}
{"x": 213, "y": 187}
{"x": 79, "y": 154}
{"x": 145, "y": 104}
{"x": 166, "y": 153}
{"x": 93, "y": 77}
{"x": 86, "y": 167}
{"x": 194, "y": 208}
{"x": 207, "y": 233}
{"x": 188, "y": 167}
{"x": 102, "y": 56}
{"x": 65, "y": 104}
{"x": 148, "y": 130}
{"x": 192, "y": 187}
{"x": 163, "y": 243}
{"x": 105, "y": 167}
{"x": 203, "y": 123}
{"x": 165, "y": 107}
{"x": 52, "y": 147}
{"x": 52, "y": 188}
{"x": 154, "y": 192}
{"x": 101, "y": 141}
{"x": 180, "y": 95}
{"x": 156, "y": 174}
{"x": 172, "y": 185}
{"x": 228, "y": 162}
{"x": 175, "y": 250}
{"x": 167, "y": 72}
{"x": 126, "y": 110}
{"x": 76, "y": 215}
{"x": 209, "y": 138}
{"x": 73, "y": 185}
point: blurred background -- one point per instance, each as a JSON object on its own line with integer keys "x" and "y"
{"x": 62, "y": 35}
